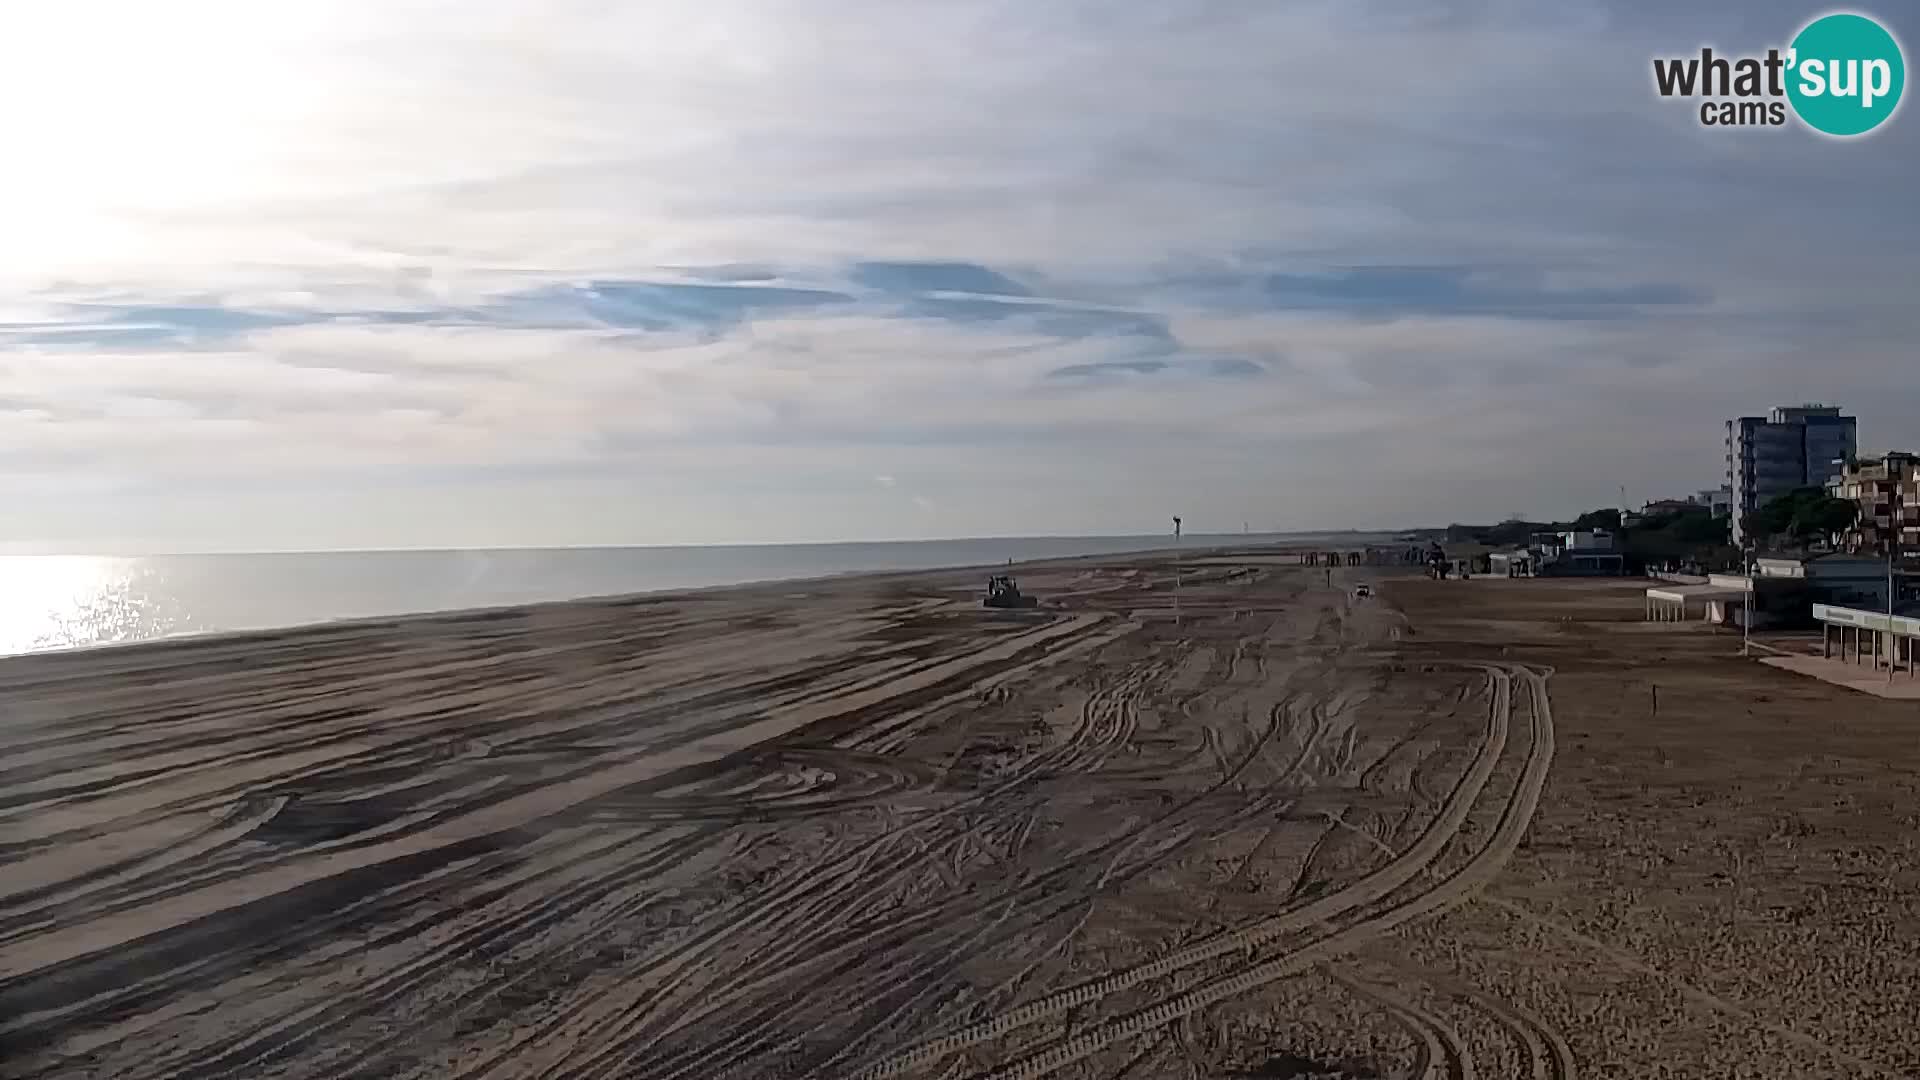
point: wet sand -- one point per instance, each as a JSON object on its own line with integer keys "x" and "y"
{"x": 862, "y": 828}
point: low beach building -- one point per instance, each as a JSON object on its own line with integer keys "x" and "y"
{"x": 1518, "y": 563}
{"x": 1846, "y": 580}
{"x": 1869, "y": 637}
{"x": 1582, "y": 553}
{"x": 1720, "y": 599}
{"x": 1784, "y": 592}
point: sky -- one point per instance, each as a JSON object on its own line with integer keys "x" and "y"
{"x": 393, "y": 273}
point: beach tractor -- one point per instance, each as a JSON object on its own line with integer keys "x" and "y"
{"x": 1004, "y": 592}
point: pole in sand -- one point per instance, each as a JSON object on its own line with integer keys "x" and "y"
{"x": 1176, "y": 570}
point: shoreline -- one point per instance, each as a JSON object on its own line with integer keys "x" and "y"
{"x": 228, "y": 636}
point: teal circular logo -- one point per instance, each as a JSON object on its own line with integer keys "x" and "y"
{"x": 1845, "y": 74}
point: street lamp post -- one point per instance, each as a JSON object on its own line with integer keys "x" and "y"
{"x": 1893, "y": 548}
{"x": 1746, "y": 608}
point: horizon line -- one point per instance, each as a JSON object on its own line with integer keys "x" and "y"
{"x": 1168, "y": 536}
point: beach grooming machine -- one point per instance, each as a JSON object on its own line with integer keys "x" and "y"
{"x": 1004, "y": 592}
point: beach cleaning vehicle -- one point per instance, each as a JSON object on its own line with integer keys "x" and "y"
{"x": 1004, "y": 592}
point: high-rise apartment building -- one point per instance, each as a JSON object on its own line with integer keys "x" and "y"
{"x": 1887, "y": 490}
{"x": 1791, "y": 447}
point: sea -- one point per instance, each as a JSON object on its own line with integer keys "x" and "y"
{"x": 77, "y": 601}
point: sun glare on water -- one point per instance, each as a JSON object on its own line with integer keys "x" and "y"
{"x": 59, "y": 601}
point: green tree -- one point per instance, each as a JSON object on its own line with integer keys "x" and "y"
{"x": 1598, "y": 519}
{"x": 1697, "y": 527}
{"x": 1831, "y": 516}
{"x": 1801, "y": 515}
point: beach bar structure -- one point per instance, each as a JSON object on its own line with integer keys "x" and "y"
{"x": 1778, "y": 601}
{"x": 1871, "y": 637}
{"x": 1714, "y": 601}
{"x": 1785, "y": 591}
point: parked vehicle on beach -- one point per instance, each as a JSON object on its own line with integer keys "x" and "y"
{"x": 1004, "y": 592}
{"x": 1361, "y": 592}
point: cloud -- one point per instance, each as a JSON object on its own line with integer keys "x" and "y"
{"x": 1447, "y": 290}
{"x": 1342, "y": 262}
{"x": 951, "y": 277}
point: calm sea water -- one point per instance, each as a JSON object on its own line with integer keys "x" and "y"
{"x": 64, "y": 601}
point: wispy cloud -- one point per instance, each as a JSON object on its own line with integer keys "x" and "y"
{"x": 906, "y": 268}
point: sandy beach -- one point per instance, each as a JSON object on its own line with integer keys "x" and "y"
{"x": 864, "y": 828}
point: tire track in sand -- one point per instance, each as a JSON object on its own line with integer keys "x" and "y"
{"x": 1368, "y": 889}
{"x": 1443, "y": 1054}
{"x": 802, "y": 950}
{"x": 1547, "y": 1054}
{"x": 1453, "y": 890}
{"x": 99, "y": 936}
{"x": 600, "y": 1026}
{"x": 513, "y": 909}
{"x": 1694, "y": 993}
{"x": 751, "y": 1031}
